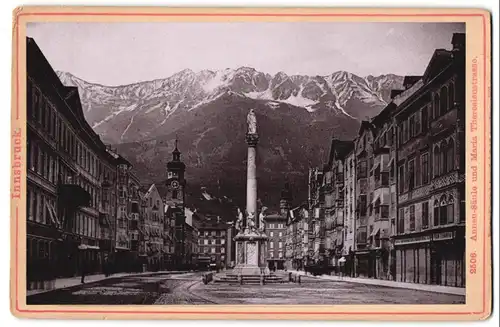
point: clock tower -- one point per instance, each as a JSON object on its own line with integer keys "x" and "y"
{"x": 175, "y": 180}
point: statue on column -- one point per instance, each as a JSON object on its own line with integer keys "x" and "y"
{"x": 262, "y": 221}
{"x": 251, "y": 221}
{"x": 252, "y": 122}
{"x": 239, "y": 221}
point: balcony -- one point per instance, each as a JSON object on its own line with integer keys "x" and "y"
{"x": 448, "y": 179}
{"x": 73, "y": 196}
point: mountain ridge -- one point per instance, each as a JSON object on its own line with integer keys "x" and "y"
{"x": 297, "y": 116}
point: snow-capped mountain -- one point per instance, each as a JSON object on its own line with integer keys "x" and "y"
{"x": 141, "y": 111}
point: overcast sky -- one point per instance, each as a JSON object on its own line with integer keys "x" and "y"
{"x": 123, "y": 53}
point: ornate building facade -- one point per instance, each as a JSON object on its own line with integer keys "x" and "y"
{"x": 430, "y": 233}
{"x": 334, "y": 184}
{"x": 316, "y": 231}
{"x": 404, "y": 184}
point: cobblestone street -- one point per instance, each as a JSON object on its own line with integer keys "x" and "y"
{"x": 187, "y": 289}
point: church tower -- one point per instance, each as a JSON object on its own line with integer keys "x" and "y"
{"x": 285, "y": 201}
{"x": 175, "y": 180}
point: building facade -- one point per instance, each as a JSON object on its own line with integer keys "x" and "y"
{"x": 276, "y": 231}
{"x": 333, "y": 185}
{"x": 214, "y": 241}
{"x": 71, "y": 180}
{"x": 316, "y": 200}
{"x": 349, "y": 210}
{"x": 403, "y": 190}
{"x": 430, "y": 234}
{"x": 153, "y": 229}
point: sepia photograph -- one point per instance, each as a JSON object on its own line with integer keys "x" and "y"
{"x": 246, "y": 163}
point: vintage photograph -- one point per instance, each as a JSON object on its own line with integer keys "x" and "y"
{"x": 245, "y": 163}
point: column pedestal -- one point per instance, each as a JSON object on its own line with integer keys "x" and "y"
{"x": 251, "y": 248}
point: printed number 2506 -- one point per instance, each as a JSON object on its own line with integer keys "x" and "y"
{"x": 472, "y": 262}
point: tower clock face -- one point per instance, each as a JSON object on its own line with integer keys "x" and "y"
{"x": 174, "y": 185}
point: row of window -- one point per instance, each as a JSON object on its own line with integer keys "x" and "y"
{"x": 271, "y": 234}
{"x": 279, "y": 244}
{"x": 275, "y": 226}
{"x": 444, "y": 100}
{"x": 212, "y": 250}
{"x": 86, "y": 225}
{"x": 280, "y": 255}
{"x": 205, "y": 241}
{"x": 443, "y": 214}
{"x": 41, "y": 207}
{"x": 417, "y": 123}
{"x": 42, "y": 112}
{"x": 214, "y": 233}
{"x": 46, "y": 164}
{"x": 413, "y": 174}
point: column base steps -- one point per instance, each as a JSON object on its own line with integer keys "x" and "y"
{"x": 249, "y": 279}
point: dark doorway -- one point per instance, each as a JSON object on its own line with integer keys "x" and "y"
{"x": 435, "y": 267}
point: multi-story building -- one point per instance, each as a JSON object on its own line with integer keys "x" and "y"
{"x": 276, "y": 233}
{"x": 333, "y": 184}
{"x": 153, "y": 228}
{"x": 349, "y": 210}
{"x": 191, "y": 248}
{"x": 70, "y": 179}
{"x": 121, "y": 256}
{"x": 214, "y": 242}
{"x": 380, "y": 193}
{"x": 134, "y": 219}
{"x": 364, "y": 258}
{"x": 297, "y": 236}
{"x": 430, "y": 234}
{"x": 402, "y": 194}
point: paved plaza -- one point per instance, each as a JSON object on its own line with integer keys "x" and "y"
{"x": 187, "y": 288}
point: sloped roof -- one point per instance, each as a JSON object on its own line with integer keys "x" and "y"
{"x": 338, "y": 150}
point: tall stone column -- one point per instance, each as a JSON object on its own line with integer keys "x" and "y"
{"x": 252, "y": 140}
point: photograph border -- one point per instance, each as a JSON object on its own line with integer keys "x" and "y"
{"x": 478, "y": 138}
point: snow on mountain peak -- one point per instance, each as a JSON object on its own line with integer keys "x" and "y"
{"x": 341, "y": 93}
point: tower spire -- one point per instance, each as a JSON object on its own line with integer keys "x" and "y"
{"x": 176, "y": 154}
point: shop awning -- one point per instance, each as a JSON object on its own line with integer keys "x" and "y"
{"x": 384, "y": 199}
{"x": 377, "y": 164}
{"x": 52, "y": 213}
{"x": 390, "y": 163}
{"x": 375, "y": 231}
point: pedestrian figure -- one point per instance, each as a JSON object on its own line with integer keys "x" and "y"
{"x": 106, "y": 266}
{"x": 84, "y": 271}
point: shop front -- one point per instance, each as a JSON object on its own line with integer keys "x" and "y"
{"x": 363, "y": 263}
{"x": 432, "y": 258}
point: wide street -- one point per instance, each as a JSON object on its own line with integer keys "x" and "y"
{"x": 187, "y": 288}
